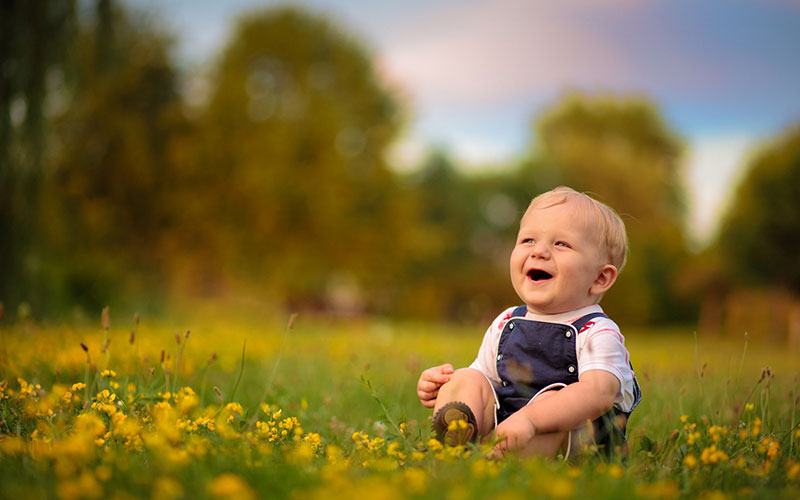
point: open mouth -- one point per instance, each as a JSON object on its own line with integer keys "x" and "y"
{"x": 539, "y": 275}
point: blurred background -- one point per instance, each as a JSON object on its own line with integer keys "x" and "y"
{"x": 352, "y": 158}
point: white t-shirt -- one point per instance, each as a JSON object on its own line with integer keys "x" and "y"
{"x": 599, "y": 346}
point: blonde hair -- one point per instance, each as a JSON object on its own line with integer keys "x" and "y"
{"x": 609, "y": 226}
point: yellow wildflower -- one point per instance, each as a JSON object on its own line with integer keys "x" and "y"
{"x": 434, "y": 444}
{"x": 690, "y": 461}
{"x": 302, "y": 454}
{"x": 712, "y": 455}
{"x": 616, "y": 471}
{"x": 26, "y": 389}
{"x": 333, "y": 454}
{"x": 84, "y": 486}
{"x": 770, "y": 447}
{"x": 314, "y": 440}
{"x": 166, "y": 488}
{"x": 235, "y": 408}
{"x": 756, "y": 430}
{"x": 89, "y": 424}
{"x": 792, "y": 470}
{"x": 361, "y": 438}
{"x": 231, "y": 486}
{"x": 102, "y": 473}
{"x": 666, "y": 490}
{"x": 560, "y": 487}
{"x": 416, "y": 479}
{"x": 376, "y": 445}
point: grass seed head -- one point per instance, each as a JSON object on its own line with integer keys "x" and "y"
{"x": 104, "y": 319}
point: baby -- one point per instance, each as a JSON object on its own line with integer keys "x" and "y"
{"x": 550, "y": 367}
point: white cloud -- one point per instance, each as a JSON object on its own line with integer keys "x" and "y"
{"x": 715, "y": 165}
{"x": 489, "y": 51}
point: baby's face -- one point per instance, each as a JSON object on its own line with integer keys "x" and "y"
{"x": 556, "y": 260}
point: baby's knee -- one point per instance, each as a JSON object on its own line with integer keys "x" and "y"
{"x": 468, "y": 377}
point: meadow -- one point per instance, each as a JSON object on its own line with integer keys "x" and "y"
{"x": 237, "y": 406}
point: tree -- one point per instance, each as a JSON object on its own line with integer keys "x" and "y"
{"x": 760, "y": 232}
{"x": 620, "y": 150}
{"x": 296, "y": 127}
{"x": 107, "y": 207}
{"x": 34, "y": 39}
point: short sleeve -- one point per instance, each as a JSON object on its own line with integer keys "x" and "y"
{"x": 602, "y": 347}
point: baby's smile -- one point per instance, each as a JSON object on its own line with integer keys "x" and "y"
{"x": 539, "y": 275}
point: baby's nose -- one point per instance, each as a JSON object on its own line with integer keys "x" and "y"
{"x": 540, "y": 250}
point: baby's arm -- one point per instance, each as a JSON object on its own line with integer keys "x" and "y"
{"x": 570, "y": 408}
{"x": 564, "y": 410}
{"x": 430, "y": 381}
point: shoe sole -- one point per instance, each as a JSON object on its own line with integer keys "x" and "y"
{"x": 451, "y": 412}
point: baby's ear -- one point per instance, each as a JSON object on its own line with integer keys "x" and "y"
{"x": 605, "y": 278}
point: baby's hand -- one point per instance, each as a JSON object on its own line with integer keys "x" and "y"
{"x": 515, "y": 433}
{"x": 430, "y": 381}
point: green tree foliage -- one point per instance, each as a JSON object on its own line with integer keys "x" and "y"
{"x": 441, "y": 268}
{"x": 760, "y": 233}
{"x": 296, "y": 128}
{"x": 276, "y": 185}
{"x": 34, "y": 37}
{"x": 620, "y": 149}
{"x": 107, "y": 206}
{"x": 464, "y": 228}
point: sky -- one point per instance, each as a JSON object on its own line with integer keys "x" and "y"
{"x": 724, "y": 74}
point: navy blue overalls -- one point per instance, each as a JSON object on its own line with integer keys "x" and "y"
{"x": 532, "y": 355}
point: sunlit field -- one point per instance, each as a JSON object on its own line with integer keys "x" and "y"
{"x": 245, "y": 408}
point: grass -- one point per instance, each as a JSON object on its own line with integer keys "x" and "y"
{"x": 231, "y": 408}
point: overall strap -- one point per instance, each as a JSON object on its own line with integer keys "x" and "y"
{"x": 520, "y": 311}
{"x": 580, "y": 322}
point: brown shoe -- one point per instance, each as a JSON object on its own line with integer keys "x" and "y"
{"x": 454, "y": 424}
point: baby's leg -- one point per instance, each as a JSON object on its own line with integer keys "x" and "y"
{"x": 471, "y": 387}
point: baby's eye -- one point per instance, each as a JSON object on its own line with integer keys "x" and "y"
{"x": 562, "y": 244}
{"x": 526, "y": 240}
